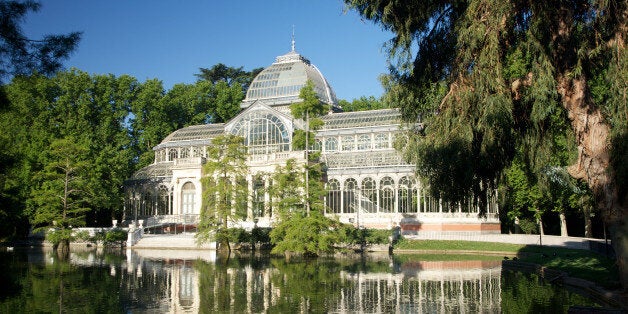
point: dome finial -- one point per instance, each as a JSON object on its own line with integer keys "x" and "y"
{"x": 293, "y": 37}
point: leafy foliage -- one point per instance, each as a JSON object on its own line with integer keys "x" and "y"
{"x": 62, "y": 190}
{"x": 361, "y": 104}
{"x": 366, "y": 236}
{"x": 287, "y": 190}
{"x": 297, "y": 232}
{"x": 116, "y": 235}
{"x": 21, "y": 55}
{"x": 224, "y": 192}
{"x": 523, "y": 80}
{"x": 305, "y": 235}
{"x": 229, "y": 75}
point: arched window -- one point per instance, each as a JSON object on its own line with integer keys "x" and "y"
{"x": 333, "y": 197}
{"x": 348, "y": 143}
{"x": 263, "y": 133}
{"x": 350, "y": 200}
{"x": 331, "y": 144}
{"x": 196, "y": 152}
{"x": 187, "y": 286}
{"x": 164, "y": 201}
{"x": 172, "y": 154}
{"x": 317, "y": 145}
{"x": 159, "y": 156}
{"x": 364, "y": 142}
{"x": 188, "y": 195}
{"x": 185, "y": 152}
{"x": 407, "y": 195}
{"x": 381, "y": 141}
{"x": 258, "y": 196}
{"x": 387, "y": 194}
{"x": 369, "y": 191}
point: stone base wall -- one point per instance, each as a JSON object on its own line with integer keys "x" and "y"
{"x": 479, "y": 227}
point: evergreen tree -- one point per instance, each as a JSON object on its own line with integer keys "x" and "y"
{"x": 61, "y": 194}
{"x": 225, "y": 191}
{"x": 22, "y": 55}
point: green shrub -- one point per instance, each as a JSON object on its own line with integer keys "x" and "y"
{"x": 115, "y": 236}
{"x": 260, "y": 235}
{"x": 353, "y": 235}
{"x": 81, "y": 235}
{"x": 233, "y": 235}
{"x": 528, "y": 226}
{"x": 56, "y": 236}
{"x": 377, "y": 236}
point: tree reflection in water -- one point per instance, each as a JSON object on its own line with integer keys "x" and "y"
{"x": 168, "y": 281}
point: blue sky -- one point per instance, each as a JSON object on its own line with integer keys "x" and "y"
{"x": 170, "y": 40}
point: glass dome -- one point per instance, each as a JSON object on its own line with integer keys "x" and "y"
{"x": 281, "y": 82}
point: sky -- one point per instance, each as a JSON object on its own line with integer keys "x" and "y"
{"x": 170, "y": 40}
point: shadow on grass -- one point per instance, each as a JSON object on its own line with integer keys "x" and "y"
{"x": 592, "y": 266}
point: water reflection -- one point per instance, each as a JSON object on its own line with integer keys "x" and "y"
{"x": 197, "y": 281}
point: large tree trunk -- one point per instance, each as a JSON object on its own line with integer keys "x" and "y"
{"x": 563, "y": 224}
{"x": 593, "y": 163}
{"x": 591, "y": 131}
{"x": 588, "y": 225}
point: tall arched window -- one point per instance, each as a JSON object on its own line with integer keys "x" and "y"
{"x": 317, "y": 146}
{"x": 407, "y": 195}
{"x": 348, "y": 143}
{"x": 381, "y": 141}
{"x": 369, "y": 203}
{"x": 196, "y": 152}
{"x": 185, "y": 152}
{"x": 331, "y": 144}
{"x": 333, "y": 197}
{"x": 188, "y": 195}
{"x": 187, "y": 286}
{"x": 258, "y": 196}
{"x": 164, "y": 201}
{"x": 172, "y": 154}
{"x": 263, "y": 133}
{"x": 387, "y": 194}
{"x": 364, "y": 142}
{"x": 350, "y": 200}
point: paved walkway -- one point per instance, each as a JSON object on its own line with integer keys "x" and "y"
{"x": 188, "y": 241}
{"x": 529, "y": 239}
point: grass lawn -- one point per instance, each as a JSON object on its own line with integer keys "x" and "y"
{"x": 583, "y": 264}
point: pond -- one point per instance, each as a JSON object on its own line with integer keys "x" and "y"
{"x": 178, "y": 281}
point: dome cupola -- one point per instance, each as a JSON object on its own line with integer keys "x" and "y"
{"x": 280, "y": 83}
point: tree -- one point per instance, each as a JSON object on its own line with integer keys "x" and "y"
{"x": 361, "y": 104}
{"x": 21, "y": 55}
{"x": 508, "y": 66}
{"x": 225, "y": 190}
{"x": 93, "y": 110}
{"x": 309, "y": 110}
{"x": 59, "y": 200}
{"x": 298, "y": 231}
{"x": 287, "y": 190}
{"x": 227, "y": 101}
{"x": 230, "y": 75}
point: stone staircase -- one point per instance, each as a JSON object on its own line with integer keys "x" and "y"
{"x": 183, "y": 241}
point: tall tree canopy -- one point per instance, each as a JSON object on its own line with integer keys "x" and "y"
{"x": 230, "y": 75}
{"x": 20, "y": 54}
{"x": 513, "y": 72}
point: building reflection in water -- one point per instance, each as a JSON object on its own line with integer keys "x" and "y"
{"x": 193, "y": 281}
{"x": 443, "y": 287}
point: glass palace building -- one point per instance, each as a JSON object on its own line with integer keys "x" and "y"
{"x": 368, "y": 183}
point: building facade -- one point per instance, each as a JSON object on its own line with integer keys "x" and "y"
{"x": 368, "y": 183}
